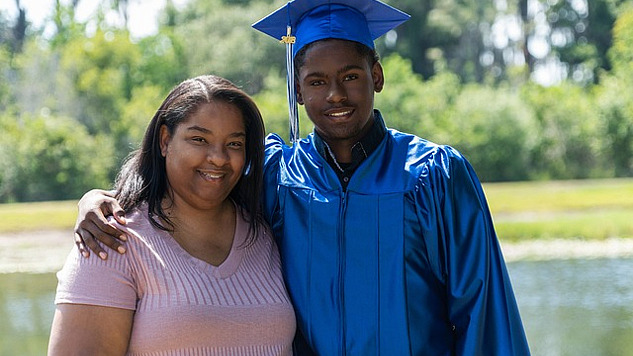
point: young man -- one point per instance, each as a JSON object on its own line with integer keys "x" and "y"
{"x": 387, "y": 243}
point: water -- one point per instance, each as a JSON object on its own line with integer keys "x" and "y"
{"x": 576, "y": 307}
{"x": 26, "y": 313}
{"x": 569, "y": 307}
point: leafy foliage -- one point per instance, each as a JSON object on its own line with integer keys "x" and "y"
{"x": 218, "y": 39}
{"x": 497, "y": 139}
{"x": 50, "y": 158}
{"x": 615, "y": 98}
{"x": 75, "y": 101}
{"x": 103, "y": 72}
{"x": 569, "y": 130}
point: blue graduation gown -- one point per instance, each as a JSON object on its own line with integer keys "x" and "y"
{"x": 403, "y": 262}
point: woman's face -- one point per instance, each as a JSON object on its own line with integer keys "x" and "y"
{"x": 205, "y": 157}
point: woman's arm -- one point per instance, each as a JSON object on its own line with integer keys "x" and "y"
{"x": 80, "y": 329}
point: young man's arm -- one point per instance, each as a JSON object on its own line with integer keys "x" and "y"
{"x": 482, "y": 305}
{"x": 92, "y": 225}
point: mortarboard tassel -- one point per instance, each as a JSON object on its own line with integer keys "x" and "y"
{"x": 293, "y": 112}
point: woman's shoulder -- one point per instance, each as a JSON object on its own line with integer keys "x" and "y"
{"x": 139, "y": 227}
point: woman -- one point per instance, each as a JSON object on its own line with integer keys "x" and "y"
{"x": 202, "y": 274}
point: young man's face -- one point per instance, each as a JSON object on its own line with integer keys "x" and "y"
{"x": 336, "y": 84}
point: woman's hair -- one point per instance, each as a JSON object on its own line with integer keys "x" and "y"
{"x": 143, "y": 177}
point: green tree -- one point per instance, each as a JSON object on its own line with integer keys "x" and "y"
{"x": 5, "y": 30}
{"x": 578, "y": 34}
{"x": 218, "y": 39}
{"x": 416, "y": 38}
{"x": 615, "y": 98}
{"x": 495, "y": 131}
{"x": 569, "y": 132}
{"x": 459, "y": 36}
{"x": 104, "y": 71}
{"x": 54, "y": 93}
{"x": 19, "y": 29}
{"x": 50, "y": 158}
{"x": 5, "y": 72}
{"x": 413, "y": 105}
{"x": 163, "y": 60}
{"x": 128, "y": 130}
{"x": 621, "y": 53}
{"x": 445, "y": 31}
{"x": 65, "y": 23}
{"x": 273, "y": 104}
{"x": 616, "y": 110}
{"x": 581, "y": 36}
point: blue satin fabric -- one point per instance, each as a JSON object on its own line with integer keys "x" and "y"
{"x": 405, "y": 262}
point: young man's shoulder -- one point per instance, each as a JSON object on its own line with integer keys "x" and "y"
{"x": 424, "y": 157}
{"x": 275, "y": 147}
{"x": 417, "y": 145}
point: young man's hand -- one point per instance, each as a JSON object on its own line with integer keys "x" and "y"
{"x": 92, "y": 224}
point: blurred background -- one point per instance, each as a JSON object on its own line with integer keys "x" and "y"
{"x": 537, "y": 94}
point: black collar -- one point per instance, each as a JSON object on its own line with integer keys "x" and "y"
{"x": 361, "y": 150}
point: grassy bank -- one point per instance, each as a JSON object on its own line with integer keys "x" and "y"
{"x": 57, "y": 215}
{"x": 587, "y": 209}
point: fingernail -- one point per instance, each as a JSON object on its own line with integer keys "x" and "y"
{"x": 85, "y": 253}
{"x": 123, "y": 237}
{"x": 121, "y": 249}
{"x": 103, "y": 255}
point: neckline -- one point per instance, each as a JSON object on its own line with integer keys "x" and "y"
{"x": 228, "y": 267}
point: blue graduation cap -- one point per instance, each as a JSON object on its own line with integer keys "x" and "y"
{"x": 301, "y": 22}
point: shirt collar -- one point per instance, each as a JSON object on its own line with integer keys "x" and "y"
{"x": 361, "y": 149}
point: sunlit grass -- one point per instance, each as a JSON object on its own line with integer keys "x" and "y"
{"x": 583, "y": 209}
{"x": 57, "y": 215}
{"x": 551, "y": 196}
{"x": 586, "y": 225}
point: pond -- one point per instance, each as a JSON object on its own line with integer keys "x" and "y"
{"x": 26, "y": 313}
{"x": 569, "y": 307}
{"x": 576, "y": 307}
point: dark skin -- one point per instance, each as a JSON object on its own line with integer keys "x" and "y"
{"x": 337, "y": 91}
{"x": 94, "y": 206}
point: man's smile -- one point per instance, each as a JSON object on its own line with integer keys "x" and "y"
{"x": 339, "y": 113}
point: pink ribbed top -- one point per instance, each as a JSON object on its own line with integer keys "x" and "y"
{"x": 183, "y": 305}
